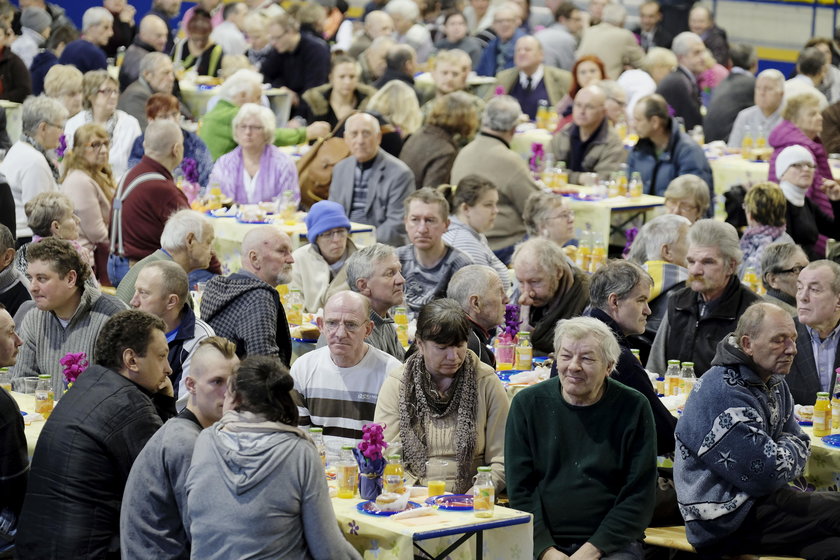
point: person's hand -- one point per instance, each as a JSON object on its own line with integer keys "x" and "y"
{"x": 127, "y": 14}
{"x": 587, "y": 552}
{"x": 165, "y": 388}
{"x": 318, "y": 129}
{"x": 553, "y": 554}
{"x": 831, "y": 189}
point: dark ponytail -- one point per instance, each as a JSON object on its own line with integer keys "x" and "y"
{"x": 263, "y": 386}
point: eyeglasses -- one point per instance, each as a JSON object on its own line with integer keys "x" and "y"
{"x": 349, "y": 326}
{"x": 109, "y": 92}
{"x": 336, "y": 233}
{"x": 504, "y": 20}
{"x": 97, "y": 145}
{"x": 568, "y": 216}
{"x": 792, "y": 270}
{"x": 250, "y": 127}
{"x": 587, "y": 107}
{"x": 681, "y": 206}
{"x": 58, "y": 126}
{"x": 804, "y": 166}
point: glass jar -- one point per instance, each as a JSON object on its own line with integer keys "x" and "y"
{"x": 484, "y": 493}
{"x": 44, "y": 395}
{"x": 822, "y": 415}
{"x": 524, "y": 351}
{"x": 347, "y": 473}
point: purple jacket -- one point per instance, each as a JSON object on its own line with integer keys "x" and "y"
{"x": 277, "y": 175}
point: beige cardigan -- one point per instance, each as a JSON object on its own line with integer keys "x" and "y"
{"x": 493, "y": 406}
{"x": 311, "y": 275}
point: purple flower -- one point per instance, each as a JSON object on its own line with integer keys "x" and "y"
{"x": 62, "y": 147}
{"x": 190, "y": 168}
{"x": 373, "y": 441}
{"x": 74, "y": 364}
{"x": 630, "y": 234}
{"x": 537, "y": 157}
{"x": 512, "y": 321}
{"x": 354, "y": 528}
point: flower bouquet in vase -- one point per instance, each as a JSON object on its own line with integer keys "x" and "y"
{"x": 190, "y": 185}
{"x": 368, "y": 455}
{"x": 505, "y": 343}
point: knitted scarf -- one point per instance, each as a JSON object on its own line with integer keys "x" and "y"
{"x": 420, "y": 402}
{"x": 34, "y": 143}
{"x": 795, "y": 195}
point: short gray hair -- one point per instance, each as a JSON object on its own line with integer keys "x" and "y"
{"x": 579, "y": 328}
{"x": 263, "y": 114}
{"x": 772, "y": 74}
{"x": 41, "y": 109}
{"x": 150, "y": 61}
{"x": 660, "y": 231}
{"x": 240, "y": 81}
{"x": 160, "y": 136}
{"x": 361, "y": 263}
{"x": 45, "y": 208}
{"x": 501, "y": 114}
{"x": 684, "y": 41}
{"x": 691, "y": 187}
{"x": 405, "y": 8}
{"x": 750, "y": 323}
{"x": 7, "y": 240}
{"x": 174, "y": 279}
{"x": 614, "y": 14}
{"x": 544, "y": 252}
{"x": 835, "y": 271}
{"x": 619, "y": 277}
{"x": 95, "y": 16}
{"x": 774, "y": 255}
{"x": 537, "y": 208}
{"x": 179, "y": 226}
{"x": 721, "y": 235}
{"x": 472, "y": 280}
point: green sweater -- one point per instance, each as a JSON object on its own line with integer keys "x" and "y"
{"x": 585, "y": 473}
{"x": 217, "y": 130}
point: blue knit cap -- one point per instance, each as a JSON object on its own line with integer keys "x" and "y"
{"x": 324, "y": 216}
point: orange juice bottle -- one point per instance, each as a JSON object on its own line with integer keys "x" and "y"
{"x": 747, "y": 144}
{"x": 393, "y": 476}
{"x": 822, "y": 415}
{"x": 44, "y": 396}
{"x": 484, "y": 493}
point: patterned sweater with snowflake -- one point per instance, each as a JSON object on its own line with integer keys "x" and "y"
{"x": 736, "y": 440}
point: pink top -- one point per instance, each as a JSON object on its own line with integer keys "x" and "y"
{"x": 92, "y": 208}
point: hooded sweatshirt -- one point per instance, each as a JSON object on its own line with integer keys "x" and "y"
{"x": 270, "y": 475}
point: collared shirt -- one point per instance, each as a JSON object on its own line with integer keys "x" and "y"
{"x": 536, "y": 78}
{"x": 824, "y": 353}
{"x": 361, "y": 175}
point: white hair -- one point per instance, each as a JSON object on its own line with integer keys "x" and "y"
{"x": 179, "y": 226}
{"x": 263, "y": 114}
{"x": 240, "y": 81}
{"x": 774, "y": 75}
{"x": 405, "y": 8}
{"x": 684, "y": 41}
{"x": 614, "y": 14}
{"x": 501, "y": 113}
{"x": 660, "y": 231}
{"x": 95, "y": 16}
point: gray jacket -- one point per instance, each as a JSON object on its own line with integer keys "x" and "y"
{"x": 604, "y": 154}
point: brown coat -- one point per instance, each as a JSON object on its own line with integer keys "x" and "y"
{"x": 831, "y": 129}
{"x": 604, "y": 154}
{"x": 430, "y": 153}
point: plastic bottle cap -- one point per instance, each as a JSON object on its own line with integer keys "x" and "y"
{"x": 673, "y": 362}
{"x": 822, "y": 394}
{"x": 483, "y": 469}
{"x": 688, "y": 364}
{"x": 316, "y": 430}
{"x": 347, "y": 448}
{"x": 45, "y": 376}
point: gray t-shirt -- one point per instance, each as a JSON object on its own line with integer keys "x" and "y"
{"x": 423, "y": 285}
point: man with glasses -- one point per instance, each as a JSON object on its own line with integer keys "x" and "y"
{"x": 781, "y": 264}
{"x": 86, "y": 53}
{"x": 588, "y": 144}
{"x": 498, "y": 54}
{"x": 336, "y": 387}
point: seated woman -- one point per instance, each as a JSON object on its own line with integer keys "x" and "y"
{"x": 549, "y": 215}
{"x": 474, "y": 201}
{"x": 456, "y": 36}
{"x": 165, "y": 106}
{"x": 765, "y": 207}
{"x": 445, "y": 404}
{"x": 64, "y": 83}
{"x": 267, "y": 470}
{"x": 588, "y": 70}
{"x": 196, "y": 51}
{"x": 101, "y": 94}
{"x": 256, "y": 170}
{"x": 687, "y": 196}
{"x": 320, "y": 267}
{"x": 89, "y": 184}
{"x": 339, "y": 98}
{"x": 397, "y": 102}
{"x": 431, "y": 151}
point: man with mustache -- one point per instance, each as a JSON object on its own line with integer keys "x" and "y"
{"x": 700, "y": 315}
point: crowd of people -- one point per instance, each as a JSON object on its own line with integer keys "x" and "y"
{"x": 187, "y": 435}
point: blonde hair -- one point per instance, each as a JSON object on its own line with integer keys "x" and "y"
{"x": 795, "y": 104}
{"x": 62, "y": 78}
{"x": 91, "y": 83}
{"x": 397, "y": 102}
{"x": 75, "y": 159}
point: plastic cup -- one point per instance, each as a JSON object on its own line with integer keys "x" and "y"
{"x": 29, "y": 384}
{"x": 436, "y": 476}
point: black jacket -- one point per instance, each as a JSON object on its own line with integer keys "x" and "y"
{"x": 15, "y": 82}
{"x": 680, "y": 90}
{"x": 729, "y": 98}
{"x": 803, "y": 379}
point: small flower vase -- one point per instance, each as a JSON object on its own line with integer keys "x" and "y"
{"x": 370, "y": 485}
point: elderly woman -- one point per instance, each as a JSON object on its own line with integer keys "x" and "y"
{"x": 27, "y": 167}
{"x": 781, "y": 264}
{"x": 336, "y": 100}
{"x": 101, "y": 93}
{"x": 397, "y": 102}
{"x": 765, "y": 207}
{"x": 282, "y": 504}
{"x": 89, "y": 184}
{"x": 549, "y": 215}
{"x": 430, "y": 152}
{"x": 687, "y": 196}
{"x": 445, "y": 404}
{"x": 167, "y": 107}
{"x": 320, "y": 267}
{"x": 474, "y": 201}
{"x": 64, "y": 83}
{"x": 657, "y": 63}
{"x": 256, "y": 171}
{"x": 801, "y": 125}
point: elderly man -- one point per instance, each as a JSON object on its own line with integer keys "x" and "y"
{"x": 559, "y": 40}
{"x": 549, "y": 287}
{"x": 609, "y": 41}
{"x": 167, "y": 10}
{"x": 156, "y": 75}
{"x": 70, "y": 311}
{"x": 679, "y": 88}
{"x": 377, "y": 24}
{"x": 818, "y": 331}
{"x": 781, "y": 264}
{"x": 490, "y": 157}
{"x": 650, "y": 31}
{"x": 589, "y": 144}
{"x": 86, "y": 449}
{"x": 700, "y": 315}
{"x": 479, "y": 291}
{"x": 664, "y": 152}
{"x": 34, "y": 32}
{"x": 530, "y": 81}
{"x": 336, "y": 387}
{"x": 400, "y": 64}
{"x": 702, "y": 22}
{"x": 811, "y": 69}
{"x": 615, "y": 453}
{"x": 740, "y": 446}
{"x": 161, "y": 290}
{"x": 14, "y": 464}
{"x": 85, "y": 53}
{"x": 498, "y": 54}
{"x": 406, "y": 14}
{"x": 151, "y": 37}
{"x": 427, "y": 262}
{"x": 765, "y": 114}
{"x": 372, "y": 60}
{"x": 151, "y": 523}
{"x": 245, "y": 306}
{"x": 300, "y": 61}
{"x": 371, "y": 184}
{"x": 732, "y": 95}
{"x": 13, "y": 286}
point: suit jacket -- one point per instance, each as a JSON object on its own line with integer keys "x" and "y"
{"x": 615, "y": 46}
{"x": 661, "y": 38}
{"x": 803, "y": 379}
{"x": 133, "y": 101}
{"x": 729, "y": 98}
{"x": 557, "y": 82}
{"x": 680, "y": 90}
{"x": 390, "y": 183}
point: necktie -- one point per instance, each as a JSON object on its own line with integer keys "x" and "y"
{"x": 528, "y": 84}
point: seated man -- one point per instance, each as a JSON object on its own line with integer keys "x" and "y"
{"x": 336, "y": 387}
{"x": 650, "y": 32}
{"x": 498, "y": 54}
{"x": 300, "y": 61}
{"x": 480, "y": 293}
{"x": 151, "y": 523}
{"x": 187, "y": 240}
{"x": 530, "y": 81}
{"x": 781, "y": 264}
{"x": 196, "y": 52}
{"x": 156, "y": 75}
{"x": 679, "y": 88}
{"x": 70, "y": 311}
{"x": 616, "y": 46}
{"x": 700, "y": 315}
{"x": 409, "y": 28}
{"x": 615, "y": 454}
{"x": 549, "y": 290}
{"x": 811, "y": 69}
{"x": 400, "y": 64}
{"x": 427, "y": 262}
{"x": 761, "y": 118}
{"x": 151, "y": 37}
{"x": 14, "y": 467}
{"x": 86, "y": 448}
{"x": 85, "y": 53}
{"x": 13, "y": 290}
{"x": 817, "y": 329}
{"x": 449, "y": 74}
{"x": 664, "y": 152}
{"x": 372, "y": 60}
{"x": 245, "y": 306}
{"x": 740, "y": 446}
{"x": 371, "y": 184}
{"x": 589, "y": 144}
{"x": 161, "y": 290}
{"x": 377, "y": 24}
{"x": 702, "y": 22}
{"x": 734, "y": 94}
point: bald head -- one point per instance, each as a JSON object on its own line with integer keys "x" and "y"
{"x": 349, "y": 300}
{"x": 267, "y": 254}
{"x": 346, "y": 324}
{"x": 153, "y": 31}
{"x": 528, "y": 54}
{"x": 164, "y": 143}
{"x": 378, "y": 24}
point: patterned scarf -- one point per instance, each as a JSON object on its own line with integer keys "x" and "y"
{"x": 35, "y": 144}
{"x": 420, "y": 402}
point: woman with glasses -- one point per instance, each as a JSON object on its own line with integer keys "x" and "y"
{"x": 100, "y": 95}
{"x": 256, "y": 170}
{"x": 687, "y": 196}
{"x": 549, "y": 215}
{"x": 781, "y": 264}
{"x": 765, "y": 207}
